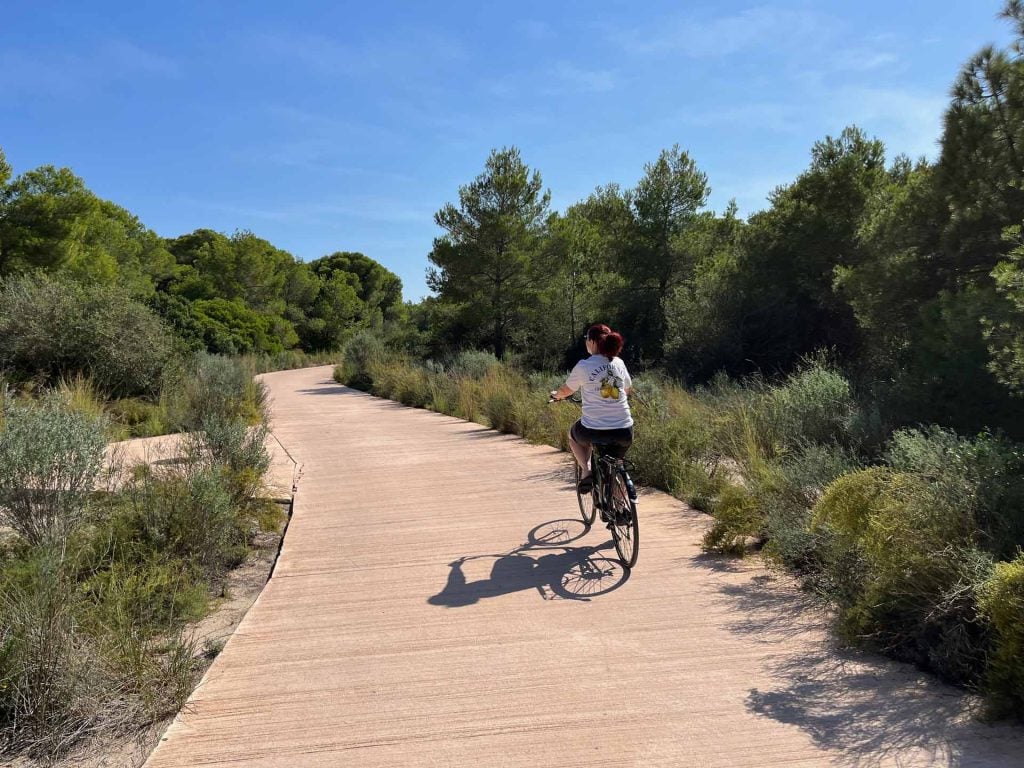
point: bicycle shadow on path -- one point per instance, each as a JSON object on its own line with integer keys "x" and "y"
{"x": 545, "y": 563}
{"x": 875, "y": 711}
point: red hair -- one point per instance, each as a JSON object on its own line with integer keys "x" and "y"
{"x": 609, "y": 343}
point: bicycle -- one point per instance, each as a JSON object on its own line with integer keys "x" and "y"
{"x": 614, "y": 496}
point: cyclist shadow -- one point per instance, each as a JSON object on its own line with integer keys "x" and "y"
{"x": 557, "y": 571}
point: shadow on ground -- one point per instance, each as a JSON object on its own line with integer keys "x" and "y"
{"x": 872, "y": 710}
{"x": 545, "y": 563}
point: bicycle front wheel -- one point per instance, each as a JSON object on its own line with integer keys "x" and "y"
{"x": 586, "y": 500}
{"x": 625, "y": 526}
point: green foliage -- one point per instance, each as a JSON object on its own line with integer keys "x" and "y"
{"x": 50, "y": 221}
{"x": 982, "y": 476}
{"x": 357, "y": 357}
{"x": 52, "y": 328}
{"x": 814, "y": 404}
{"x": 1001, "y": 600}
{"x": 914, "y": 594}
{"x": 137, "y": 417}
{"x": 52, "y": 681}
{"x": 483, "y": 261}
{"x": 212, "y": 386}
{"x": 473, "y": 363}
{"x": 737, "y": 520}
{"x": 232, "y": 328}
{"x": 186, "y": 516}
{"x": 792, "y": 541}
{"x": 50, "y": 459}
{"x": 79, "y": 659}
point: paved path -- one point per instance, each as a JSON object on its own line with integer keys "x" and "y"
{"x": 436, "y": 604}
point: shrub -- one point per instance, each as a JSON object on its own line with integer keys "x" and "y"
{"x": 473, "y": 363}
{"x": 78, "y": 658}
{"x": 212, "y": 386}
{"x": 813, "y": 405}
{"x": 912, "y": 594}
{"x": 50, "y": 458}
{"x": 185, "y": 515}
{"x": 737, "y": 520}
{"x": 358, "y": 356}
{"x": 52, "y": 328}
{"x": 799, "y": 479}
{"x": 238, "y": 451}
{"x": 53, "y": 683}
{"x": 983, "y": 477}
{"x": 1001, "y": 600}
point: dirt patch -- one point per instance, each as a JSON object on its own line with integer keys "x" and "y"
{"x": 241, "y": 588}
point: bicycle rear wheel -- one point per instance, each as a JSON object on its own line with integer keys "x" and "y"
{"x": 625, "y": 526}
{"x": 586, "y": 500}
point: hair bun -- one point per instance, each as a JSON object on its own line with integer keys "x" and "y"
{"x": 610, "y": 344}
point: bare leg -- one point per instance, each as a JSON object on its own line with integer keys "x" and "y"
{"x": 582, "y": 454}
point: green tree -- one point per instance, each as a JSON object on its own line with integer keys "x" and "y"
{"x": 49, "y": 220}
{"x": 483, "y": 261}
{"x": 653, "y": 257}
{"x": 377, "y": 288}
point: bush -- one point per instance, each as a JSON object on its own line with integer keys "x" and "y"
{"x": 358, "y": 356}
{"x": 983, "y": 477}
{"x": 238, "y": 450}
{"x": 798, "y": 481}
{"x": 53, "y": 683}
{"x": 77, "y": 659}
{"x": 1001, "y": 600}
{"x": 737, "y": 520}
{"x": 473, "y": 363}
{"x": 186, "y": 515}
{"x": 813, "y": 405}
{"x": 52, "y": 328}
{"x": 50, "y": 458}
{"x": 212, "y": 386}
{"x": 913, "y": 592}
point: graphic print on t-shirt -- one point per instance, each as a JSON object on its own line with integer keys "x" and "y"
{"x": 611, "y": 385}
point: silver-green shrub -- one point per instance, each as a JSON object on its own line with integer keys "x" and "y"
{"x": 473, "y": 363}
{"x": 813, "y": 405}
{"x": 50, "y": 459}
{"x": 213, "y": 385}
{"x": 358, "y": 357}
{"x": 53, "y": 327}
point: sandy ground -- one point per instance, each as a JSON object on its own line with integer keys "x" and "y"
{"x": 437, "y": 603}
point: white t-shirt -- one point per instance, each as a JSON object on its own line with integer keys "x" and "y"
{"x": 604, "y": 388}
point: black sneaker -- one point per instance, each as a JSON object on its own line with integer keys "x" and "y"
{"x": 586, "y": 484}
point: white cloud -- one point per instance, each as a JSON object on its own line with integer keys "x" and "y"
{"x": 909, "y": 122}
{"x": 717, "y": 36}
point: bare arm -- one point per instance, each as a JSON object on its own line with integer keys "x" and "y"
{"x": 561, "y": 393}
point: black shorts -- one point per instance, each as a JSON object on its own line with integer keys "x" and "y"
{"x": 616, "y": 441}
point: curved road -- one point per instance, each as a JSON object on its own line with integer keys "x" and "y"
{"x": 436, "y": 604}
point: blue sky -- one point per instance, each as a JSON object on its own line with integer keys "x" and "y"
{"x": 327, "y": 126}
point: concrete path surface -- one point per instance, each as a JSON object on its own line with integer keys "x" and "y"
{"x": 436, "y": 603}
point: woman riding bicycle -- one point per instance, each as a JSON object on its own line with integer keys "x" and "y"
{"x": 606, "y": 386}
